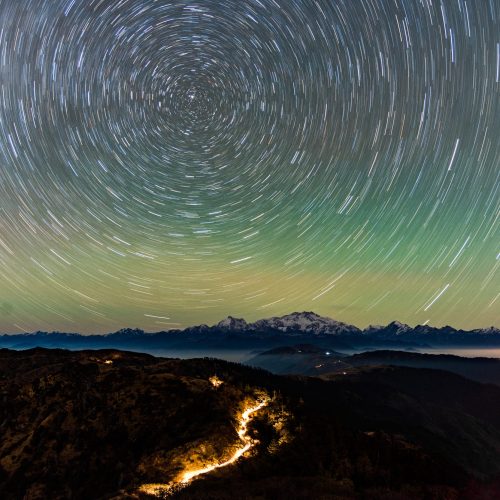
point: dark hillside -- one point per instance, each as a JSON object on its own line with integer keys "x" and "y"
{"x": 101, "y": 424}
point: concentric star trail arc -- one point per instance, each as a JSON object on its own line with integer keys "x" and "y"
{"x": 164, "y": 164}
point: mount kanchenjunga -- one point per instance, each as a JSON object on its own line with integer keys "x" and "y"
{"x": 304, "y": 322}
{"x": 298, "y": 323}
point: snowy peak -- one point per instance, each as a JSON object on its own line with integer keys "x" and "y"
{"x": 487, "y": 331}
{"x": 128, "y": 332}
{"x": 398, "y": 324}
{"x": 231, "y": 323}
{"x": 304, "y": 322}
{"x": 398, "y": 328}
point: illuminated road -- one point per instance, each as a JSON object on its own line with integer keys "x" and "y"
{"x": 246, "y": 440}
{"x": 246, "y": 444}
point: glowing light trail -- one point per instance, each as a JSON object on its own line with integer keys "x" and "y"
{"x": 188, "y": 476}
{"x": 247, "y": 441}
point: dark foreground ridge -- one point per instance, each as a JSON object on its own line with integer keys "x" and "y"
{"x": 104, "y": 424}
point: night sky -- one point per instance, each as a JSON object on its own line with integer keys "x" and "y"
{"x": 164, "y": 164}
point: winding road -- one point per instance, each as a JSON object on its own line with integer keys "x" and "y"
{"x": 246, "y": 444}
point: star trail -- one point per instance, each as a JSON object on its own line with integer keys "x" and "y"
{"x": 164, "y": 164}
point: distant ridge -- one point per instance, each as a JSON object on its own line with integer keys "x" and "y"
{"x": 298, "y": 322}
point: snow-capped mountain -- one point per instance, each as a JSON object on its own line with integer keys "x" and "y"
{"x": 231, "y": 323}
{"x": 304, "y": 322}
{"x": 394, "y": 328}
{"x": 127, "y": 332}
{"x": 486, "y": 331}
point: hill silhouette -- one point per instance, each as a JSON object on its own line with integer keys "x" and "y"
{"x": 99, "y": 424}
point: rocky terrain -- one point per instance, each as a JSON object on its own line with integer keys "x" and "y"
{"x": 103, "y": 424}
{"x": 90, "y": 424}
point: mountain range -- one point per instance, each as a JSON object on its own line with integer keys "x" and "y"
{"x": 236, "y": 333}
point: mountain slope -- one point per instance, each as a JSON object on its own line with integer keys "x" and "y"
{"x": 95, "y": 424}
{"x": 305, "y": 322}
{"x": 87, "y": 424}
{"x": 315, "y": 361}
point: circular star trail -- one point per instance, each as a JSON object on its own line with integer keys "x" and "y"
{"x": 169, "y": 163}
